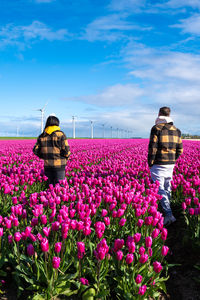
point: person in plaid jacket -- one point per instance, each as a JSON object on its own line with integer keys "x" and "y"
{"x": 165, "y": 147}
{"x": 52, "y": 146}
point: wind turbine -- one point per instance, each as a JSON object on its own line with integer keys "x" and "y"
{"x": 111, "y": 131}
{"x": 17, "y": 131}
{"x": 103, "y": 130}
{"x": 92, "y": 125}
{"x": 73, "y": 122}
{"x": 42, "y": 110}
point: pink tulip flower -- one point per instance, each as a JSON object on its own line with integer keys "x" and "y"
{"x": 129, "y": 258}
{"x": 30, "y": 250}
{"x": 138, "y": 279}
{"x": 119, "y": 255}
{"x": 164, "y": 250}
{"x": 84, "y": 281}
{"x": 44, "y": 245}
{"x": 142, "y": 290}
{"x": 56, "y": 262}
{"x": 157, "y": 267}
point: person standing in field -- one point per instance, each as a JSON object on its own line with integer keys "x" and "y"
{"x": 165, "y": 147}
{"x": 52, "y": 146}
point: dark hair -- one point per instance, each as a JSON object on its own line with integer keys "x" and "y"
{"x": 52, "y": 121}
{"x": 164, "y": 111}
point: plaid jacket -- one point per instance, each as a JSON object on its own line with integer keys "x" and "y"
{"x": 165, "y": 144}
{"x": 53, "y": 149}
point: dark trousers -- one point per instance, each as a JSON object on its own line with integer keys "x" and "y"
{"x": 54, "y": 175}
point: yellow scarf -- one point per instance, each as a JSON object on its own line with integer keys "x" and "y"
{"x": 51, "y": 129}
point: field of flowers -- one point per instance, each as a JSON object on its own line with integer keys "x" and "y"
{"x": 98, "y": 235}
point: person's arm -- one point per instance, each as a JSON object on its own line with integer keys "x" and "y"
{"x": 152, "y": 149}
{"x": 37, "y": 149}
{"x": 179, "y": 146}
{"x": 65, "y": 151}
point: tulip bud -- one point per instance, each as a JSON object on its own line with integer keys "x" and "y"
{"x": 58, "y": 247}
{"x": 138, "y": 279}
{"x": 30, "y": 250}
{"x": 148, "y": 241}
{"x": 143, "y": 258}
{"x": 157, "y": 267}
{"x": 164, "y": 251}
{"x": 56, "y": 262}
{"x": 84, "y": 281}
{"x": 122, "y": 222}
{"x": 1, "y": 231}
{"x": 43, "y": 219}
{"x": 17, "y": 236}
{"x": 119, "y": 255}
{"x": 44, "y": 245}
{"x": 129, "y": 258}
{"x": 142, "y": 290}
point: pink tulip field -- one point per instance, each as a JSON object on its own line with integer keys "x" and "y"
{"x": 99, "y": 234}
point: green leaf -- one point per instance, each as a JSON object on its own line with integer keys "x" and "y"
{"x": 173, "y": 265}
{"x": 102, "y": 294}
{"x": 3, "y": 273}
{"x": 197, "y": 267}
{"x": 89, "y": 294}
{"x": 27, "y": 278}
{"x": 128, "y": 296}
{"x": 38, "y": 297}
{"x": 68, "y": 292}
{"x": 163, "y": 287}
{"x": 141, "y": 269}
{"x": 26, "y": 259}
{"x": 162, "y": 279}
{"x": 33, "y": 287}
{"x": 197, "y": 280}
{"x": 156, "y": 295}
{"x": 3, "y": 260}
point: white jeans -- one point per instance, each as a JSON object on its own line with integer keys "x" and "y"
{"x": 163, "y": 174}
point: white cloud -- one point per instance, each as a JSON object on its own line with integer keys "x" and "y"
{"x": 139, "y": 116}
{"x": 114, "y": 96}
{"x": 129, "y": 120}
{"x": 162, "y": 65}
{"x": 121, "y": 5}
{"x": 182, "y": 3}
{"x": 190, "y": 25}
{"x": 44, "y": 1}
{"x": 110, "y": 28}
{"x": 144, "y": 6}
{"x": 21, "y": 126}
{"x": 166, "y": 78}
{"x": 20, "y": 35}
{"x": 185, "y": 96}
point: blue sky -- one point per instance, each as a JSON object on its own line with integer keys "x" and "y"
{"x": 114, "y": 62}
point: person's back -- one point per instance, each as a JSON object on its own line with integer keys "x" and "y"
{"x": 53, "y": 149}
{"x": 52, "y": 146}
{"x": 165, "y": 144}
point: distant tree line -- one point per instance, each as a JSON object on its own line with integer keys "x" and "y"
{"x": 189, "y": 136}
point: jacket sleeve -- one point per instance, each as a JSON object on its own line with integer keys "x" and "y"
{"x": 153, "y": 144}
{"x": 65, "y": 151}
{"x": 179, "y": 146}
{"x": 37, "y": 148}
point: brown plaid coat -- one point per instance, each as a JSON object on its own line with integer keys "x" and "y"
{"x": 53, "y": 149}
{"x": 165, "y": 144}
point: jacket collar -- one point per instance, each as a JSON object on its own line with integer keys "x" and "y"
{"x": 163, "y": 119}
{"x": 51, "y": 129}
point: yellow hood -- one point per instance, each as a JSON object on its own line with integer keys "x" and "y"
{"x": 51, "y": 129}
